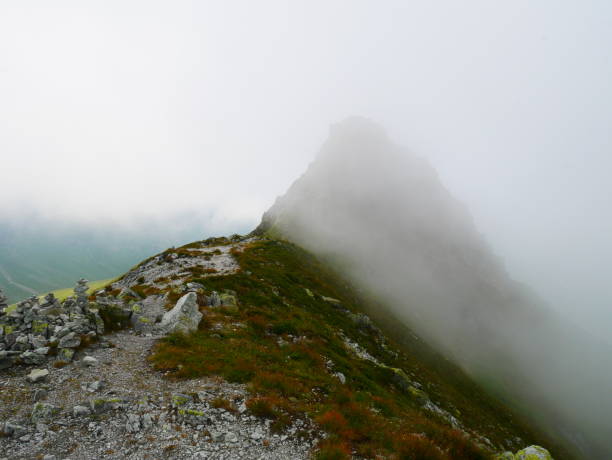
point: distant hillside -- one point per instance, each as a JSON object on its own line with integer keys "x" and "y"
{"x": 35, "y": 263}
{"x": 37, "y": 256}
{"x": 381, "y": 216}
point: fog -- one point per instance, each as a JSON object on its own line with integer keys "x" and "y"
{"x": 380, "y": 215}
{"x": 117, "y": 113}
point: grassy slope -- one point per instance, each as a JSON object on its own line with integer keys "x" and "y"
{"x": 371, "y": 415}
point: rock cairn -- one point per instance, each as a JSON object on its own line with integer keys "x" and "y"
{"x": 32, "y": 332}
{"x": 3, "y": 300}
{"x": 80, "y": 291}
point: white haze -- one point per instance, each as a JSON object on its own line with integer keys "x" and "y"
{"x": 118, "y": 112}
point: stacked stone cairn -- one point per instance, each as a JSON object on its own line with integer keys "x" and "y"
{"x": 33, "y": 333}
{"x": 3, "y": 300}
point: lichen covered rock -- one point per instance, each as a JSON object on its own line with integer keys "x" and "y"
{"x": 184, "y": 317}
{"x": 533, "y": 453}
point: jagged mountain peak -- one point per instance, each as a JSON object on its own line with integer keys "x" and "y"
{"x": 380, "y": 214}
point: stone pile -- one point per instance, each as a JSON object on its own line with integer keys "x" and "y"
{"x": 3, "y": 300}
{"x": 32, "y": 333}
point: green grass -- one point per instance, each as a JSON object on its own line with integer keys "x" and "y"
{"x": 290, "y": 332}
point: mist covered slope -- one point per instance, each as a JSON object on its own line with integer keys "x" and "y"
{"x": 382, "y": 216}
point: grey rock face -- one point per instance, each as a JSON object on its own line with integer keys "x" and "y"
{"x": 184, "y": 317}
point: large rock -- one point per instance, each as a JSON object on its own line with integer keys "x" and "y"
{"x": 228, "y": 299}
{"x": 70, "y": 340}
{"x": 38, "y": 356}
{"x": 184, "y": 317}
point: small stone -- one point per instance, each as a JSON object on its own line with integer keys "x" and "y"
{"x": 147, "y": 421}
{"x": 11, "y": 429}
{"x": 39, "y": 394}
{"x": 89, "y": 361}
{"x": 133, "y": 423}
{"x": 80, "y": 411}
{"x": 42, "y": 427}
{"x": 37, "y": 375}
{"x": 93, "y": 386}
{"x": 70, "y": 340}
{"x": 217, "y": 436}
{"x": 180, "y": 399}
{"x": 65, "y": 354}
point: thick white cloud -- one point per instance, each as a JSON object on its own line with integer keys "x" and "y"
{"x": 126, "y": 110}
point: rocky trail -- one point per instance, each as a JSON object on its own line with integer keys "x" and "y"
{"x": 98, "y": 396}
{"x": 110, "y": 403}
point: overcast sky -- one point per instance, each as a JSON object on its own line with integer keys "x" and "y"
{"x": 117, "y": 111}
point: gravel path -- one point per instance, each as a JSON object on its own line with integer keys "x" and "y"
{"x": 125, "y": 409}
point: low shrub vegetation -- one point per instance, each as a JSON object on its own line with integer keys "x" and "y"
{"x": 281, "y": 341}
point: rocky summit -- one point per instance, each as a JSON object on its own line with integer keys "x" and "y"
{"x": 242, "y": 347}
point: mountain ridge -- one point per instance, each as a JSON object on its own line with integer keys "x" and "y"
{"x": 293, "y": 337}
{"x": 381, "y": 215}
